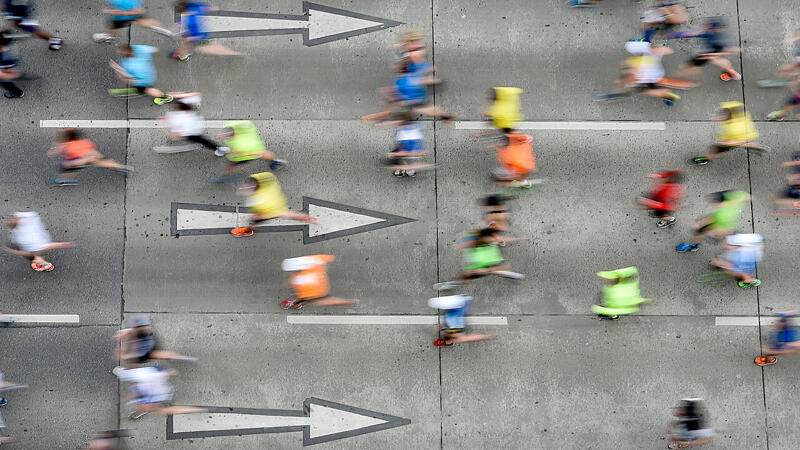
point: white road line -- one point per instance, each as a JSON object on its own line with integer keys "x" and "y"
{"x": 589, "y": 125}
{"x": 40, "y": 318}
{"x": 575, "y": 126}
{"x": 740, "y": 321}
{"x": 387, "y": 320}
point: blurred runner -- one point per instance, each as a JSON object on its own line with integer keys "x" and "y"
{"x": 185, "y": 124}
{"x": 78, "y": 152}
{"x": 19, "y": 13}
{"x": 735, "y": 129}
{"x": 137, "y": 69}
{"x": 515, "y": 160}
{"x": 452, "y": 328}
{"x": 9, "y": 66}
{"x": 150, "y": 392}
{"x": 266, "y": 201}
{"x": 30, "y": 239}
{"x": 409, "y": 149}
{"x": 783, "y": 339}
{"x": 689, "y": 428}
{"x": 620, "y": 293}
{"x": 138, "y": 345}
{"x": 721, "y": 222}
{"x": 741, "y": 257}
{"x": 716, "y": 46}
{"x": 789, "y": 199}
{"x": 787, "y": 72}
{"x": 504, "y": 108}
{"x": 241, "y": 137}
{"x": 789, "y": 105}
{"x": 194, "y": 33}
{"x": 122, "y": 14}
{"x": 665, "y": 197}
{"x": 108, "y": 440}
{"x": 310, "y": 283}
{"x": 663, "y": 17}
{"x": 482, "y": 257}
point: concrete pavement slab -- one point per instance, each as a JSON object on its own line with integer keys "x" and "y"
{"x": 559, "y": 57}
{"x": 582, "y": 220}
{"x": 570, "y": 382}
{"x": 261, "y": 361}
{"x": 87, "y": 279}
{"x": 72, "y": 393}
{"x": 337, "y": 161}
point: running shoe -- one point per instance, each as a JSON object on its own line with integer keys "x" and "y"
{"x": 64, "y": 181}
{"x": 524, "y": 184}
{"x": 136, "y": 415}
{"x": 442, "y": 343}
{"x": 775, "y": 115}
{"x": 3, "y": 401}
{"x": 276, "y": 164}
{"x": 242, "y": 232}
{"x": 46, "y": 267}
{"x": 766, "y": 360}
{"x": 103, "y": 37}
{"x": 728, "y": 77}
{"x": 399, "y": 173}
{"x": 605, "y": 317}
{"x": 55, "y": 43}
{"x": 222, "y": 151}
{"x": 684, "y": 247}
{"x": 10, "y": 95}
{"x": 665, "y": 223}
{"x": 510, "y": 274}
{"x": 411, "y": 173}
{"x": 162, "y": 100}
{"x": 699, "y": 161}
{"x": 755, "y": 283}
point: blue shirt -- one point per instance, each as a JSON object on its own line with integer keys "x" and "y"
{"x": 140, "y": 66}
{"x": 192, "y": 20}
{"x": 410, "y": 88}
{"x": 125, "y": 5}
{"x": 410, "y": 137}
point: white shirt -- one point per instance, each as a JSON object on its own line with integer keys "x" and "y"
{"x": 185, "y": 123}
{"x": 650, "y": 69}
{"x": 30, "y": 234}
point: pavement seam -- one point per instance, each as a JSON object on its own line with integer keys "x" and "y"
{"x": 752, "y": 225}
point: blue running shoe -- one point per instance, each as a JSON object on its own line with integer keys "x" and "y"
{"x": 687, "y": 247}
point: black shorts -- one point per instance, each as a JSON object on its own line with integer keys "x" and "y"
{"x": 140, "y": 89}
{"x": 725, "y": 148}
{"x": 74, "y": 168}
{"x": 119, "y": 24}
{"x": 792, "y": 192}
{"x": 793, "y": 100}
{"x": 647, "y": 86}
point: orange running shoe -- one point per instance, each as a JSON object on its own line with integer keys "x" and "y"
{"x": 441, "y": 343}
{"x": 766, "y": 360}
{"x": 242, "y": 231}
{"x": 47, "y": 267}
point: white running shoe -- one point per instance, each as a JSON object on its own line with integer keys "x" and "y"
{"x": 222, "y": 151}
{"x": 103, "y": 37}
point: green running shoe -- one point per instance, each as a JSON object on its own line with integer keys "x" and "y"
{"x": 775, "y": 115}
{"x": 161, "y": 100}
{"x": 755, "y": 283}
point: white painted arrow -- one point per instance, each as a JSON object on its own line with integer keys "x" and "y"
{"x": 320, "y": 421}
{"x": 319, "y": 24}
{"x": 335, "y": 220}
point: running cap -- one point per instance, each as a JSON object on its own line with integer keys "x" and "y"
{"x": 619, "y": 273}
{"x": 139, "y": 321}
{"x": 448, "y": 302}
{"x": 300, "y": 263}
{"x": 745, "y": 239}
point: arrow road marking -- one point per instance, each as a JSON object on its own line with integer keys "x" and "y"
{"x": 318, "y": 24}
{"x": 335, "y": 220}
{"x": 320, "y": 421}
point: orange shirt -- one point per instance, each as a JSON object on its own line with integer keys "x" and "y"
{"x": 313, "y": 282}
{"x": 517, "y": 156}
{"x": 77, "y": 149}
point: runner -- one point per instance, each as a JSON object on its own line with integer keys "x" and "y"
{"x": 137, "y": 69}
{"x": 787, "y": 72}
{"x": 515, "y": 160}
{"x": 665, "y": 198}
{"x": 410, "y": 147}
{"x": 741, "y": 258}
{"x": 620, "y": 293}
{"x": 689, "y": 426}
{"x": 78, "y": 152}
{"x": 482, "y": 257}
{"x": 138, "y": 345}
{"x": 19, "y": 13}
{"x": 504, "y": 111}
{"x": 311, "y": 284}
{"x": 194, "y": 33}
{"x": 789, "y": 199}
{"x": 496, "y": 217}
{"x": 783, "y": 339}
{"x": 9, "y": 66}
{"x": 266, "y": 201}
{"x": 185, "y": 124}
{"x": 721, "y": 222}
{"x": 452, "y": 325}
{"x": 715, "y": 47}
{"x": 30, "y": 239}
{"x": 150, "y": 392}
{"x": 663, "y": 17}
{"x": 122, "y": 14}
{"x": 736, "y": 129}
{"x": 241, "y": 137}
{"x": 644, "y": 71}
{"x": 789, "y": 105}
